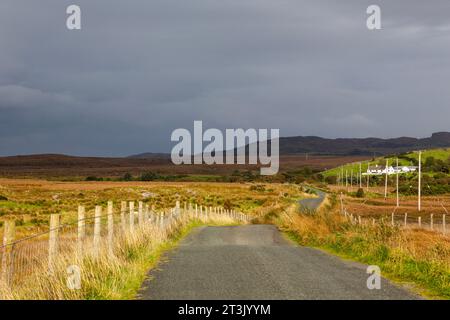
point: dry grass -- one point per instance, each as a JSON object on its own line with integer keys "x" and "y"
{"x": 415, "y": 256}
{"x": 105, "y": 276}
{"x": 32, "y": 201}
{"x": 373, "y": 205}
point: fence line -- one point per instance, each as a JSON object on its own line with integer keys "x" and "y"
{"x": 23, "y": 258}
{"x": 404, "y": 221}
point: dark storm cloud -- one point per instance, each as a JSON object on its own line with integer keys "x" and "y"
{"x": 137, "y": 70}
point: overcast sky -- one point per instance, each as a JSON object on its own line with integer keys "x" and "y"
{"x": 139, "y": 69}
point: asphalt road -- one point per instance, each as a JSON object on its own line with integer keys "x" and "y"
{"x": 311, "y": 204}
{"x": 256, "y": 262}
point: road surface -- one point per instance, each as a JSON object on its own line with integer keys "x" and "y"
{"x": 256, "y": 262}
{"x": 311, "y": 204}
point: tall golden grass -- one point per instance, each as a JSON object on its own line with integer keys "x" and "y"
{"x": 418, "y": 257}
{"x": 109, "y": 276}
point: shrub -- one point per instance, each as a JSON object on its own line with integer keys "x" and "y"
{"x": 149, "y": 176}
{"x": 258, "y": 187}
{"x": 93, "y": 178}
{"x": 3, "y": 198}
{"x": 227, "y": 205}
{"x": 360, "y": 193}
{"x": 127, "y": 177}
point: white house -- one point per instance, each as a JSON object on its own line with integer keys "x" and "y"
{"x": 376, "y": 170}
{"x": 405, "y": 169}
{"x": 379, "y": 170}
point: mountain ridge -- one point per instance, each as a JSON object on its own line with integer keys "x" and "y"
{"x": 370, "y": 146}
{"x": 361, "y": 146}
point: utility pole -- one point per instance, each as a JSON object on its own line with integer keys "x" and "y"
{"x": 398, "y": 200}
{"x": 420, "y": 181}
{"x": 360, "y": 175}
{"x": 386, "y": 180}
{"x": 368, "y": 175}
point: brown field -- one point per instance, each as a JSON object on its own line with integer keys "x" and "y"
{"x": 31, "y": 201}
{"x": 375, "y": 206}
{"x": 60, "y": 166}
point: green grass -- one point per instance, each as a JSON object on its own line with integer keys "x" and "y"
{"x": 441, "y": 154}
{"x": 8, "y": 204}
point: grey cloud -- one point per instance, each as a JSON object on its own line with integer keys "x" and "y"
{"x": 137, "y": 70}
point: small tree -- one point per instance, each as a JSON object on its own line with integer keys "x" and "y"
{"x": 148, "y": 176}
{"x": 127, "y": 177}
{"x": 227, "y": 205}
{"x": 360, "y": 193}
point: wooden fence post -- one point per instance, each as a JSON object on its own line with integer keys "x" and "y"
{"x": 9, "y": 231}
{"x": 431, "y": 222}
{"x": 123, "y": 211}
{"x": 97, "y": 230}
{"x": 420, "y": 222}
{"x": 406, "y": 218}
{"x": 177, "y": 208}
{"x": 81, "y": 230}
{"x": 110, "y": 213}
{"x": 131, "y": 206}
{"x": 53, "y": 242}
{"x": 161, "y": 220}
{"x": 444, "y": 228}
{"x": 141, "y": 213}
{"x": 152, "y": 213}
{"x": 146, "y": 210}
{"x": 392, "y": 219}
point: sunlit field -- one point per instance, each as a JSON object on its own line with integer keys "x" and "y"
{"x": 30, "y": 202}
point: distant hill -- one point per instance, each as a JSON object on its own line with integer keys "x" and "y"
{"x": 312, "y": 145}
{"x": 150, "y": 155}
{"x": 364, "y": 146}
{"x": 296, "y": 152}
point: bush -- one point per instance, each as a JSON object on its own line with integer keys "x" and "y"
{"x": 360, "y": 193}
{"x": 149, "y": 176}
{"x": 3, "y": 198}
{"x": 127, "y": 177}
{"x": 93, "y": 178}
{"x": 227, "y": 205}
{"x": 258, "y": 187}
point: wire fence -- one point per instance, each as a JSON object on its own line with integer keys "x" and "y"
{"x": 90, "y": 235}
{"x": 430, "y": 222}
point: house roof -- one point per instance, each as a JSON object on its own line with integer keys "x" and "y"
{"x": 377, "y": 167}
